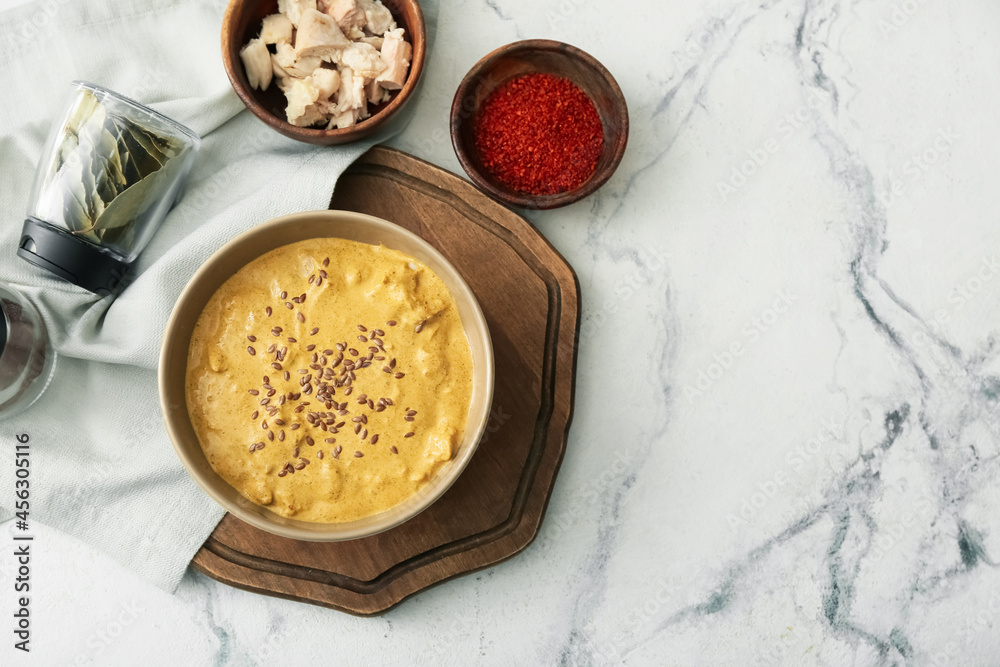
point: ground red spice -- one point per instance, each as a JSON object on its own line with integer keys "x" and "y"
{"x": 539, "y": 134}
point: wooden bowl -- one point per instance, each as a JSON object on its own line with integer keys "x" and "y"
{"x": 241, "y": 23}
{"x": 547, "y": 57}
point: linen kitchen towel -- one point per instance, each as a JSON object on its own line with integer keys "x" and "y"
{"x": 102, "y": 467}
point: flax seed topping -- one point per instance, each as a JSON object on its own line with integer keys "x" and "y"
{"x": 419, "y": 357}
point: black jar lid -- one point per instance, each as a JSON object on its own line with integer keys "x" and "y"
{"x": 71, "y": 258}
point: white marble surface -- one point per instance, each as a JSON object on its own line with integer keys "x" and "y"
{"x": 793, "y": 458}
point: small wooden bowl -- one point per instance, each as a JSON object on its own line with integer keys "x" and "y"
{"x": 547, "y": 57}
{"x": 241, "y": 23}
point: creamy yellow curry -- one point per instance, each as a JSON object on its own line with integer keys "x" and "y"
{"x": 328, "y": 380}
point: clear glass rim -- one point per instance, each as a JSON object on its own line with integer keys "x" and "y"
{"x": 183, "y": 129}
{"x": 4, "y": 323}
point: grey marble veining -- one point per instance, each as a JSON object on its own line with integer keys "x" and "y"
{"x": 786, "y": 443}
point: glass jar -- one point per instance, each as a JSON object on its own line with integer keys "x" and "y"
{"x": 27, "y": 361}
{"x": 108, "y": 175}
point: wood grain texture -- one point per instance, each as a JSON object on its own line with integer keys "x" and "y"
{"x": 530, "y": 297}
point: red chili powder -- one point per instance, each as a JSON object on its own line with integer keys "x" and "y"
{"x": 539, "y": 134}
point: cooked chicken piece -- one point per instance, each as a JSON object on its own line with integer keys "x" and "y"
{"x": 257, "y": 62}
{"x": 284, "y": 85}
{"x": 363, "y": 59}
{"x": 378, "y": 17}
{"x": 279, "y": 71}
{"x": 294, "y": 9}
{"x": 343, "y": 120}
{"x": 352, "y": 90}
{"x": 347, "y": 14}
{"x": 396, "y": 53}
{"x": 297, "y": 67}
{"x": 275, "y": 29}
{"x": 327, "y": 81}
{"x": 319, "y": 36}
{"x": 359, "y": 37}
{"x": 375, "y": 92}
{"x": 302, "y": 109}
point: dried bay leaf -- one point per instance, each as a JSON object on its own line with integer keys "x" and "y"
{"x": 109, "y": 174}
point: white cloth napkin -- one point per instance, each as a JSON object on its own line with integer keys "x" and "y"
{"x": 102, "y": 468}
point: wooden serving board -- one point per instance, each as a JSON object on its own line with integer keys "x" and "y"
{"x": 530, "y": 296}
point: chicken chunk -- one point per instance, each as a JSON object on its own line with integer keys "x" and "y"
{"x": 363, "y": 59}
{"x": 298, "y": 67}
{"x": 343, "y": 120}
{"x": 294, "y": 9}
{"x": 378, "y": 18}
{"x": 375, "y": 92}
{"x": 275, "y": 29}
{"x": 352, "y": 90}
{"x": 347, "y": 14}
{"x": 303, "y": 110}
{"x": 396, "y": 54}
{"x": 257, "y": 62}
{"x": 327, "y": 81}
{"x": 319, "y": 36}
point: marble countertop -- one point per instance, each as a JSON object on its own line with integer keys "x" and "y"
{"x": 795, "y": 460}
